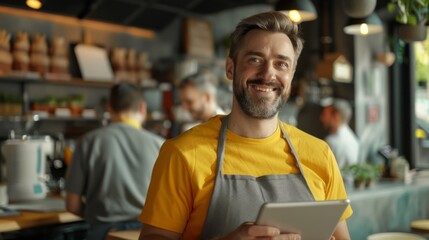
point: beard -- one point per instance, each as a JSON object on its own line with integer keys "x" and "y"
{"x": 259, "y": 107}
{"x": 197, "y": 114}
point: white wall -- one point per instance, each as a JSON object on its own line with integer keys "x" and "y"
{"x": 371, "y": 92}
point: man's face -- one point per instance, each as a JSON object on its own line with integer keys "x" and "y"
{"x": 194, "y": 101}
{"x": 262, "y": 73}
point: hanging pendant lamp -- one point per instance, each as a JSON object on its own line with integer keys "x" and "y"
{"x": 297, "y": 10}
{"x": 364, "y": 26}
{"x": 34, "y": 4}
{"x": 359, "y": 8}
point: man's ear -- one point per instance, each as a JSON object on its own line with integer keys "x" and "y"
{"x": 207, "y": 96}
{"x": 337, "y": 117}
{"x": 143, "y": 109}
{"x": 229, "y": 67}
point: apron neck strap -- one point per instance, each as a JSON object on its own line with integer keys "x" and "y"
{"x": 292, "y": 148}
{"x": 222, "y": 141}
{"x": 221, "y": 145}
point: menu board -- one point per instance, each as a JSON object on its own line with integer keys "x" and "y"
{"x": 198, "y": 38}
{"x": 94, "y": 63}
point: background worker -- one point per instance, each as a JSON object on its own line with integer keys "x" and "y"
{"x": 343, "y": 141}
{"x": 111, "y": 168}
{"x": 197, "y": 95}
{"x": 210, "y": 181}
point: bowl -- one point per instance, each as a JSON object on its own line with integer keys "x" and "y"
{"x": 394, "y": 236}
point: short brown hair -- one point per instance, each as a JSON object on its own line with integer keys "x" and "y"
{"x": 342, "y": 107}
{"x": 269, "y": 21}
{"x": 124, "y": 97}
{"x": 204, "y": 81}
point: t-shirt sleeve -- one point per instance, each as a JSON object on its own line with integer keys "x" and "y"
{"x": 76, "y": 173}
{"x": 169, "y": 200}
{"x": 335, "y": 189}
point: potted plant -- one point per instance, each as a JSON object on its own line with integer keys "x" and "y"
{"x": 51, "y": 104}
{"x": 413, "y": 15}
{"x": 76, "y": 104}
{"x": 364, "y": 175}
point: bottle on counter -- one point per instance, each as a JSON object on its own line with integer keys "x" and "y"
{"x": 400, "y": 169}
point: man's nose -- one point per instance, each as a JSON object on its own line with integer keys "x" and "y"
{"x": 268, "y": 72}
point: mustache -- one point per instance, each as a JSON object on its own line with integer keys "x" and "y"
{"x": 265, "y": 83}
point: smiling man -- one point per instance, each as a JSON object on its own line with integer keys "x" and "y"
{"x": 211, "y": 181}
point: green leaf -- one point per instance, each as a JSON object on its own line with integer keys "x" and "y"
{"x": 401, "y": 18}
{"x": 410, "y": 12}
{"x": 391, "y": 7}
{"x": 421, "y": 2}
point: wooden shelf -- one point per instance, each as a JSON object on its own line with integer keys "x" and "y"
{"x": 27, "y": 118}
{"x": 71, "y": 127}
{"x": 65, "y": 119}
{"x": 80, "y": 82}
{"x": 72, "y": 81}
{"x": 66, "y": 82}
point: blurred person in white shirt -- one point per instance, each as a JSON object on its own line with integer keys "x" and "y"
{"x": 341, "y": 138}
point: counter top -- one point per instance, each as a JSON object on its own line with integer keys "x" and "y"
{"x": 123, "y": 235}
{"x": 384, "y": 188}
{"x": 29, "y": 219}
{"x": 387, "y": 207}
{"x": 48, "y": 211}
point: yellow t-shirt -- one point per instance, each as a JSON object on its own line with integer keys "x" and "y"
{"x": 183, "y": 176}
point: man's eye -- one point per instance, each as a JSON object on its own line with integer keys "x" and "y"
{"x": 254, "y": 60}
{"x": 283, "y": 65}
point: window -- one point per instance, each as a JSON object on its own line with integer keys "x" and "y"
{"x": 421, "y": 50}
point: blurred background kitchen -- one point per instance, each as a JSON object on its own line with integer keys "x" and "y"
{"x": 58, "y": 61}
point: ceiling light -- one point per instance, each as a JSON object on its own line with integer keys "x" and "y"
{"x": 359, "y": 8}
{"x": 297, "y": 10}
{"x": 34, "y": 4}
{"x": 364, "y": 26}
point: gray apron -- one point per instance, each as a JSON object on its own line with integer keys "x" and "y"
{"x": 237, "y": 198}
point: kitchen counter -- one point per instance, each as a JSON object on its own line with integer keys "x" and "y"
{"x": 124, "y": 235}
{"x": 387, "y": 207}
{"x": 29, "y": 219}
{"x": 42, "y": 219}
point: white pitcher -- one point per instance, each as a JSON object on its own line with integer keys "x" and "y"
{"x": 25, "y": 169}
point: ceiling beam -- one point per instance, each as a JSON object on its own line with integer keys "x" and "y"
{"x": 134, "y": 14}
{"x": 90, "y": 7}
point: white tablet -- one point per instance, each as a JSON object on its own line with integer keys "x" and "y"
{"x": 312, "y": 220}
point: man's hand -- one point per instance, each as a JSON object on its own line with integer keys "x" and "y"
{"x": 252, "y": 231}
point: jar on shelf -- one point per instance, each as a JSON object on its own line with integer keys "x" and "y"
{"x": 5, "y": 55}
{"x": 144, "y": 74}
{"x": 21, "y": 47}
{"x": 59, "y": 56}
{"x": 39, "y": 60}
{"x": 118, "y": 60}
{"x": 131, "y": 65}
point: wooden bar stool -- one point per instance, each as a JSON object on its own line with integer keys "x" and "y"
{"x": 421, "y": 226}
{"x": 124, "y": 235}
